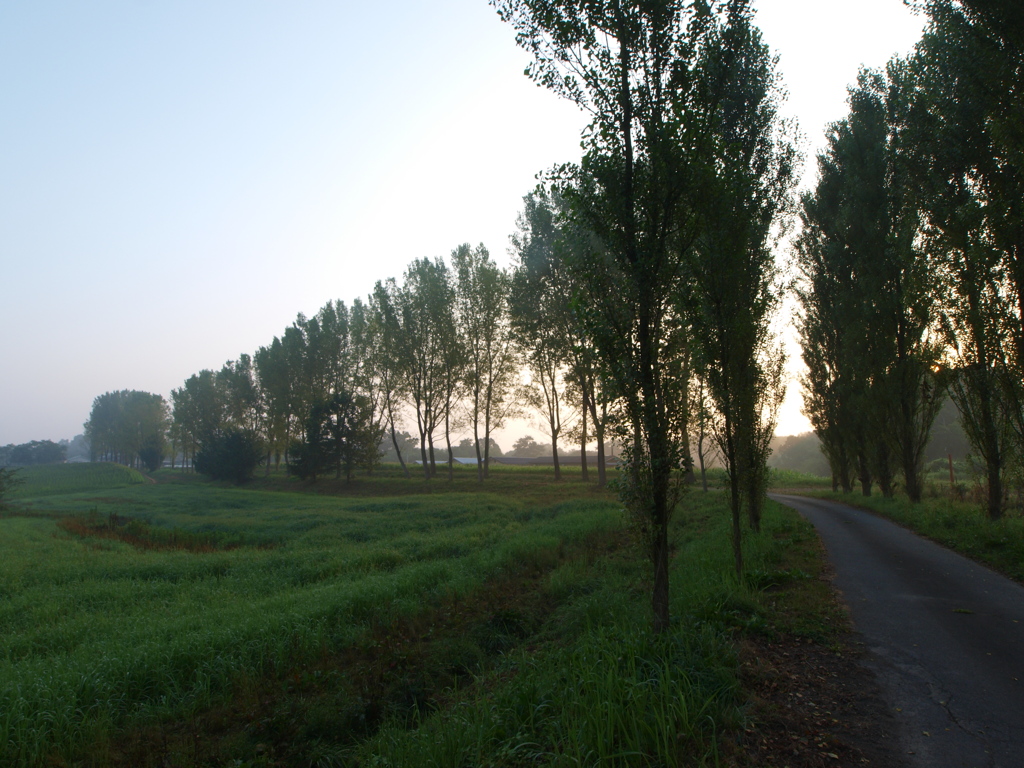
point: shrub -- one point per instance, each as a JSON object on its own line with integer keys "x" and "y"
{"x": 231, "y": 454}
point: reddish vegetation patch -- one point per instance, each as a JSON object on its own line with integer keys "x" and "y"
{"x": 404, "y": 668}
{"x": 143, "y": 536}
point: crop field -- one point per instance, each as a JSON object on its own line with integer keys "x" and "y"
{"x": 186, "y": 623}
{"x": 57, "y": 479}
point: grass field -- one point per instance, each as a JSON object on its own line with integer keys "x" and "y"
{"x": 391, "y": 622}
{"x": 57, "y": 479}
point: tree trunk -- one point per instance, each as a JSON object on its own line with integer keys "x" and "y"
{"x": 602, "y": 469}
{"x": 602, "y": 458}
{"x": 731, "y": 459}
{"x": 755, "y": 491}
{"x": 487, "y": 437}
{"x": 995, "y": 488}
{"x": 398, "y": 453}
{"x": 865, "y": 473}
{"x": 911, "y": 475}
{"x": 583, "y": 434}
{"x": 844, "y": 475}
{"x": 700, "y": 457}
{"x": 883, "y": 469}
{"x": 423, "y": 456}
{"x": 479, "y": 457}
{"x": 448, "y": 444}
{"x": 659, "y": 595}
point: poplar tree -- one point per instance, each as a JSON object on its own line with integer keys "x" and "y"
{"x": 485, "y": 334}
{"x": 870, "y": 291}
{"x": 642, "y": 71}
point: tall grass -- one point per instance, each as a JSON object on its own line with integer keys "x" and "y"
{"x": 605, "y": 691}
{"x": 95, "y": 634}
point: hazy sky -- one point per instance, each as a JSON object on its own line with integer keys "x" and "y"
{"x": 178, "y": 180}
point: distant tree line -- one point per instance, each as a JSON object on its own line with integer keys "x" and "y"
{"x": 442, "y": 349}
{"x": 912, "y": 257}
{"x": 34, "y": 452}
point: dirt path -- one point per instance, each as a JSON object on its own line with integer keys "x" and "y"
{"x": 945, "y": 637}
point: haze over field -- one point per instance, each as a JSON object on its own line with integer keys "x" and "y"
{"x": 180, "y": 181}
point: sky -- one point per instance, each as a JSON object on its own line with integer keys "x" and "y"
{"x": 179, "y": 180}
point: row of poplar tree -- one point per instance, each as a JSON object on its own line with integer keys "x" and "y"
{"x": 455, "y": 345}
{"x": 912, "y": 257}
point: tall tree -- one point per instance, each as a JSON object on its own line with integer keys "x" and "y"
{"x": 639, "y": 69}
{"x": 338, "y": 435}
{"x": 243, "y": 408}
{"x": 198, "y": 411}
{"x": 546, "y": 313}
{"x": 962, "y": 148}
{"x": 429, "y": 331}
{"x": 492, "y": 359}
{"x": 736, "y": 289}
{"x": 367, "y": 383}
{"x": 869, "y": 301}
{"x": 904, "y": 293}
{"x": 844, "y": 237}
{"x": 274, "y": 384}
{"x": 387, "y": 357}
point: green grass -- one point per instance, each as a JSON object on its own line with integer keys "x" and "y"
{"x": 604, "y": 690}
{"x": 718, "y": 479}
{"x": 57, "y": 479}
{"x": 100, "y": 639}
{"x": 961, "y": 526}
{"x": 788, "y": 478}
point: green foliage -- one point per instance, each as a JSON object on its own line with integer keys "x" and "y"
{"x": 869, "y": 294}
{"x": 683, "y": 132}
{"x": 338, "y": 434}
{"x": 482, "y": 311}
{"x": 736, "y": 287}
{"x": 968, "y": 171}
{"x": 231, "y": 455}
{"x": 433, "y": 359}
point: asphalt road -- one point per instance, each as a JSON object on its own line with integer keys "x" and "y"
{"x": 945, "y": 635}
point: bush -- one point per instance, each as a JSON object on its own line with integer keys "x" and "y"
{"x": 231, "y": 455}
